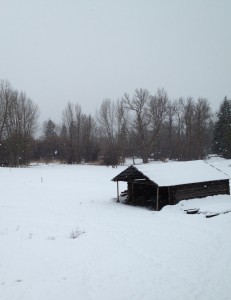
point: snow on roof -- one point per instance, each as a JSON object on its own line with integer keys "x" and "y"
{"x": 177, "y": 173}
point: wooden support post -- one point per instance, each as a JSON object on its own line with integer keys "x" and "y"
{"x": 169, "y": 196}
{"x": 132, "y": 191}
{"x": 118, "y": 199}
{"x": 157, "y": 198}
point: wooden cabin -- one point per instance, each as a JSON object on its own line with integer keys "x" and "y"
{"x": 160, "y": 184}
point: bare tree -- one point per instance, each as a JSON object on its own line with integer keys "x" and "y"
{"x": 72, "y": 121}
{"x": 189, "y": 115}
{"x": 138, "y": 105}
{"x": 90, "y": 147}
{"x": 189, "y": 128}
{"x": 201, "y": 121}
{"x": 158, "y": 110}
{"x": 170, "y": 130}
{"x": 121, "y": 121}
{"x": 7, "y": 96}
{"x": 106, "y": 119}
{"x": 19, "y": 116}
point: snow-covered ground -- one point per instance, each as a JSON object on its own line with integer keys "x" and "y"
{"x": 63, "y": 236}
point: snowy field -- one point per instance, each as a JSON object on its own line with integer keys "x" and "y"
{"x": 62, "y": 236}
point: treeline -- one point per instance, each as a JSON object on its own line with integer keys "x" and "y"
{"x": 139, "y": 125}
{"x": 18, "y": 121}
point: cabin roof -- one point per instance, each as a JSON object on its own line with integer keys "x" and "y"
{"x": 173, "y": 173}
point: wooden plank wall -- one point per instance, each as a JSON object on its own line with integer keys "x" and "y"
{"x": 144, "y": 194}
{"x": 202, "y": 189}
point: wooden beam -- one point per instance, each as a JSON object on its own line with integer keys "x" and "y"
{"x": 132, "y": 192}
{"x": 118, "y": 197}
{"x": 157, "y": 198}
{"x": 169, "y": 197}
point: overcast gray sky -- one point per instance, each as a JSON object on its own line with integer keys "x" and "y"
{"x": 84, "y": 51}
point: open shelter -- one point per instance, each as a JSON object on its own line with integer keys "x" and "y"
{"x": 160, "y": 184}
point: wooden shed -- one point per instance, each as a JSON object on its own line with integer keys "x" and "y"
{"x": 160, "y": 184}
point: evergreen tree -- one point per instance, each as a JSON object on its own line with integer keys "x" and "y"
{"x": 222, "y": 130}
{"x": 50, "y": 128}
{"x": 50, "y": 143}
